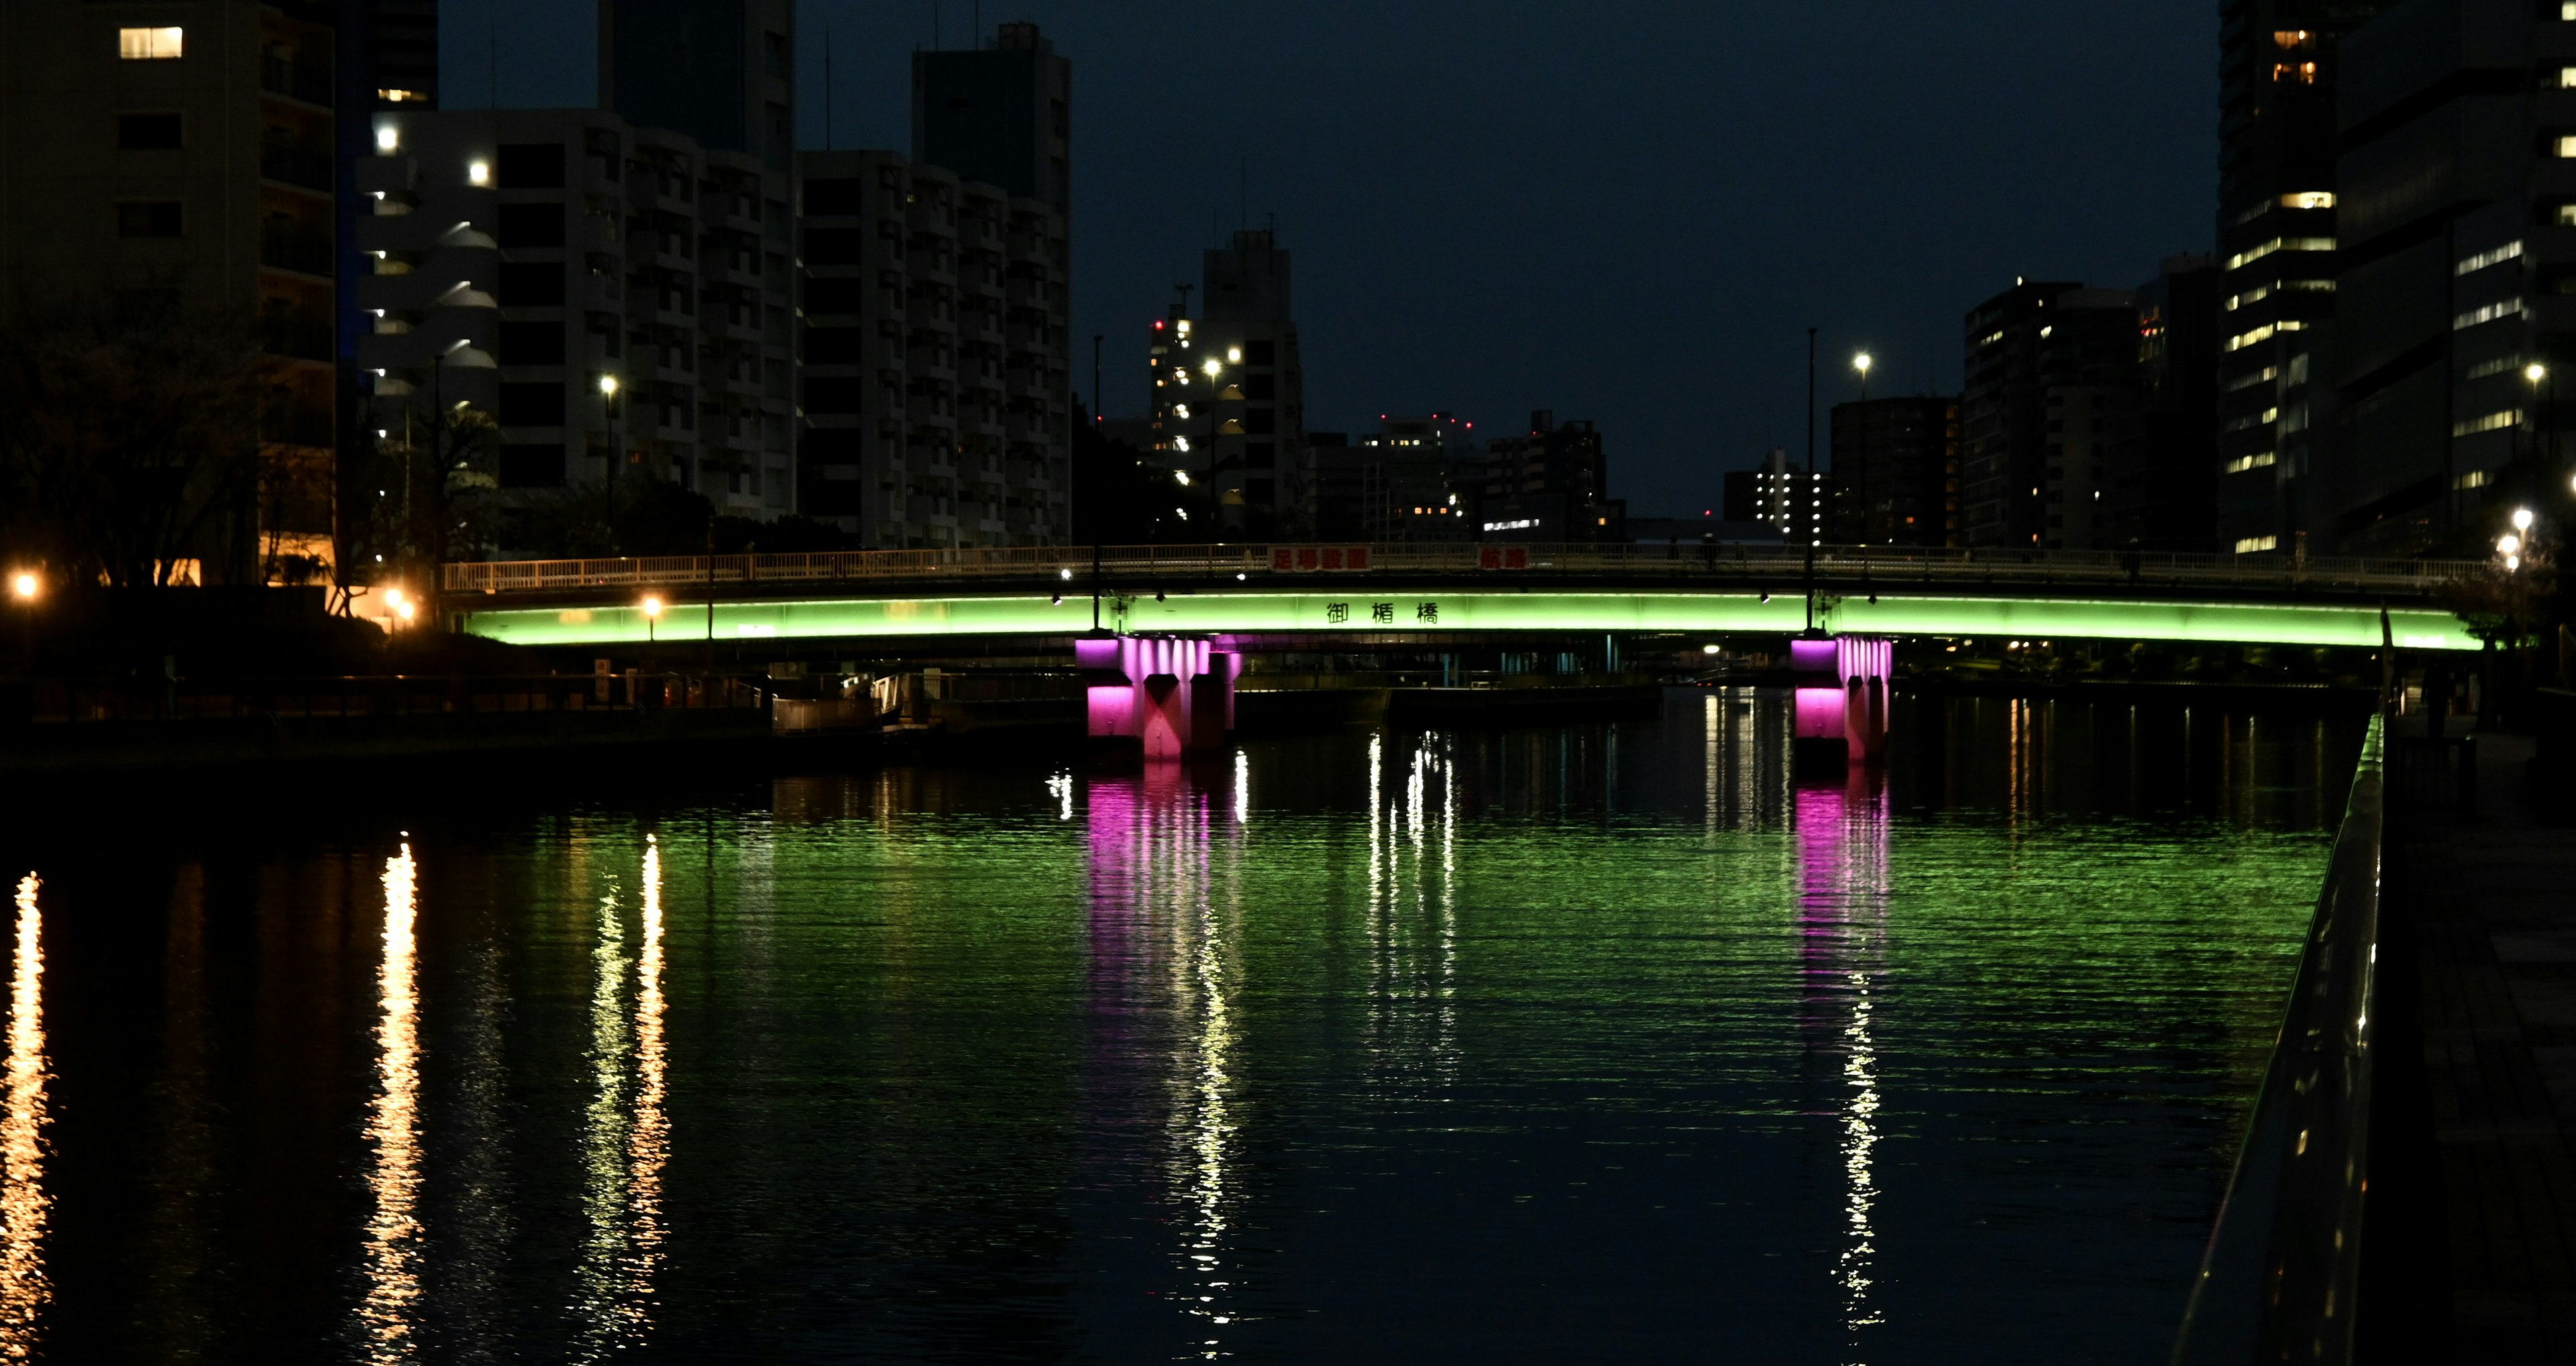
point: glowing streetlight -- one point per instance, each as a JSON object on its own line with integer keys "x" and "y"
{"x": 1212, "y": 367}
{"x": 2535, "y": 372}
{"x": 1861, "y": 363}
{"x": 23, "y": 586}
{"x": 652, "y": 614}
{"x": 2508, "y": 544}
{"x": 608, "y": 385}
{"x": 2522, "y": 519}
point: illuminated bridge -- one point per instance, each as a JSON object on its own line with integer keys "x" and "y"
{"x": 1286, "y": 595}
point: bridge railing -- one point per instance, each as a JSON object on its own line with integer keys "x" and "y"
{"x": 1841, "y": 566}
{"x": 2283, "y": 1267}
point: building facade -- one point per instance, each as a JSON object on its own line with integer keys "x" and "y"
{"x": 1001, "y": 115}
{"x": 2279, "y": 70}
{"x": 181, "y": 155}
{"x": 1895, "y": 472}
{"x": 2089, "y": 376}
{"x": 1550, "y": 485}
{"x": 618, "y": 300}
{"x": 2162, "y": 488}
{"x": 721, "y": 73}
{"x": 1418, "y": 478}
{"x": 935, "y": 399}
{"x": 2453, "y": 279}
{"x": 1229, "y": 408}
{"x": 2003, "y": 453}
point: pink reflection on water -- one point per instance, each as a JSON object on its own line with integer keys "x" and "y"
{"x": 1842, "y": 917}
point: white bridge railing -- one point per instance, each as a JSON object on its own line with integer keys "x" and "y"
{"x": 1836, "y": 566}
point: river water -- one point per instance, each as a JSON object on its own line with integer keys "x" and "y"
{"x": 1601, "y": 1042}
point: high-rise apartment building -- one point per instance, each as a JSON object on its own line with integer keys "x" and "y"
{"x": 721, "y": 73}
{"x": 1229, "y": 392}
{"x": 2162, "y": 488}
{"x": 2089, "y": 377}
{"x": 2279, "y": 69}
{"x": 935, "y": 399}
{"x": 177, "y": 153}
{"x": 2438, "y": 390}
{"x": 1549, "y": 485}
{"x": 617, "y": 299}
{"x": 2003, "y": 451}
{"x": 1000, "y": 114}
{"x": 1895, "y": 472}
{"x": 1798, "y": 504}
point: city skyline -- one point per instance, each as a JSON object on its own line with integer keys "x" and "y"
{"x": 1441, "y": 276}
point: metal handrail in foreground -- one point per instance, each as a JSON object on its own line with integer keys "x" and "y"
{"x": 2279, "y": 1280}
{"x": 1891, "y": 567}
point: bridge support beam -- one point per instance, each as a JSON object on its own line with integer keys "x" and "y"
{"x": 1170, "y": 695}
{"x": 1841, "y": 685}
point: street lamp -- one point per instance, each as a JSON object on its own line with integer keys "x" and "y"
{"x": 652, "y": 614}
{"x": 1862, "y": 363}
{"x": 23, "y": 586}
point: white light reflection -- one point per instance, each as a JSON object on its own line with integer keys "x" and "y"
{"x": 607, "y": 1131}
{"x": 1412, "y": 925}
{"x": 389, "y": 1312}
{"x": 1242, "y": 787}
{"x": 24, "y": 1205}
{"x": 1061, "y": 788}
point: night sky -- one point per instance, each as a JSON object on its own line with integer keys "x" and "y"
{"x": 1629, "y": 213}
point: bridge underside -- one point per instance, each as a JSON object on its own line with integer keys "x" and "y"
{"x": 1377, "y": 610}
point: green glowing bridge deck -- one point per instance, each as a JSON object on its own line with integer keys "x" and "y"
{"x": 1425, "y": 610}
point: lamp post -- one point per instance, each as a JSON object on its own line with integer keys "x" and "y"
{"x": 1810, "y": 491}
{"x": 608, "y": 428}
{"x": 1861, "y": 364}
{"x": 652, "y": 614}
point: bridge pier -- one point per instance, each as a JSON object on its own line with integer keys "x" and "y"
{"x": 1840, "y": 708}
{"x": 1171, "y": 695}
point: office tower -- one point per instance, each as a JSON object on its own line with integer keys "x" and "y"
{"x": 2088, "y": 371}
{"x": 181, "y": 158}
{"x": 1415, "y": 479}
{"x": 1002, "y": 115}
{"x": 2003, "y": 456}
{"x": 2438, "y": 390}
{"x": 721, "y": 73}
{"x": 526, "y": 259}
{"x": 936, "y": 412}
{"x": 2162, "y": 489}
{"x": 1895, "y": 472}
{"x": 1229, "y": 392}
{"x": 1549, "y": 485}
{"x": 2279, "y": 71}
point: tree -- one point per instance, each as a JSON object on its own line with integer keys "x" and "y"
{"x": 130, "y": 446}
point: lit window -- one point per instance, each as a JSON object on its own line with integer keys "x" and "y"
{"x": 2243, "y": 463}
{"x": 2486, "y": 314}
{"x": 2293, "y": 40}
{"x": 147, "y": 44}
{"x": 2474, "y": 479}
{"x": 2304, "y": 73}
{"x": 2493, "y": 256}
{"x": 2564, "y": 146}
{"x": 402, "y": 96}
{"x": 2256, "y": 544}
{"x": 2257, "y": 253}
{"x": 2491, "y": 422}
{"x": 2309, "y": 199}
{"x": 2497, "y": 366}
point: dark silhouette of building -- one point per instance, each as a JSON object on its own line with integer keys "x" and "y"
{"x": 1001, "y": 114}
{"x": 722, "y": 72}
{"x": 2279, "y": 70}
{"x": 1550, "y": 485}
{"x": 1229, "y": 391}
{"x": 1416, "y": 478}
{"x": 2455, "y": 276}
{"x": 1895, "y": 471}
{"x": 2088, "y": 366}
{"x": 2003, "y": 453}
{"x": 2162, "y": 489}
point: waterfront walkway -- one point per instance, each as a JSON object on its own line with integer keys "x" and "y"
{"x": 2474, "y": 1150}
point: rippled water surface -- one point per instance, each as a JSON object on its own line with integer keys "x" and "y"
{"x": 1601, "y": 1042}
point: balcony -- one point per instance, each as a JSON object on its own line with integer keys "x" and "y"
{"x": 296, "y": 80}
{"x": 308, "y": 167}
{"x": 306, "y": 252}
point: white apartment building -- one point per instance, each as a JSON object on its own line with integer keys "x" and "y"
{"x": 618, "y": 298}
{"x": 935, "y": 398}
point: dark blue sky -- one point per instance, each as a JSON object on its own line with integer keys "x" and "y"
{"x": 1626, "y": 212}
